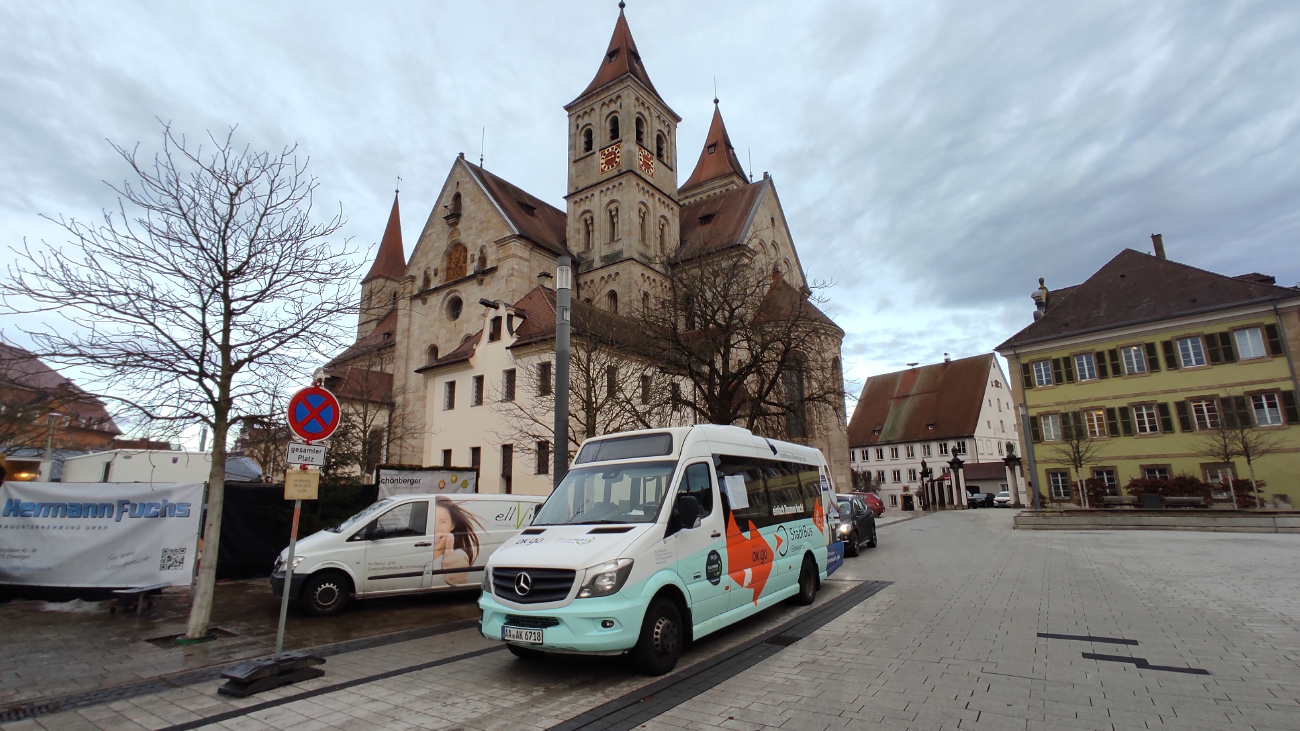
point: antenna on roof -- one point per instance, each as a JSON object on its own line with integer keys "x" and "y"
{"x": 715, "y": 90}
{"x": 750, "y": 151}
{"x": 482, "y": 144}
{"x": 398, "y": 190}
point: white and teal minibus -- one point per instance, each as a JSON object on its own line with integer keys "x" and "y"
{"x": 658, "y": 537}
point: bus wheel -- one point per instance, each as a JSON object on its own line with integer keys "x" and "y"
{"x": 660, "y": 644}
{"x": 807, "y": 584}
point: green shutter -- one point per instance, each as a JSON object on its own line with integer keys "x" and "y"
{"x": 1057, "y": 375}
{"x": 1112, "y": 423}
{"x": 1184, "y": 416}
{"x": 1067, "y": 427}
{"x": 1115, "y": 368}
{"x": 1212, "y": 348}
{"x": 1166, "y": 421}
{"x": 1274, "y": 338}
{"x": 1153, "y": 360}
{"x": 1125, "y": 421}
{"x": 1289, "y": 407}
{"x": 1100, "y": 359}
{"x": 1026, "y": 376}
{"x": 1034, "y": 432}
{"x": 1228, "y": 413}
{"x": 1171, "y": 355}
{"x": 1225, "y": 342}
{"x": 1068, "y": 363}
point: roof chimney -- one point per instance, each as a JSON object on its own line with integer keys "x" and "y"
{"x": 946, "y": 358}
{"x": 1158, "y": 241}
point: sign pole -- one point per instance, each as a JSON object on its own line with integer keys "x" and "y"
{"x": 288, "y": 578}
{"x": 560, "y": 438}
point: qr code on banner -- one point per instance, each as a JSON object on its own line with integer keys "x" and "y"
{"x": 173, "y": 559}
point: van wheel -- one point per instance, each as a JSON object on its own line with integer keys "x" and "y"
{"x": 325, "y": 594}
{"x": 660, "y": 645}
{"x": 852, "y": 547}
{"x": 807, "y": 584}
{"x": 524, "y": 653}
{"x": 871, "y": 542}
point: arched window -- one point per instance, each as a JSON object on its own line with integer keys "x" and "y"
{"x": 454, "y": 307}
{"x": 432, "y": 353}
{"x": 663, "y": 237}
{"x": 588, "y": 223}
{"x": 792, "y": 386}
{"x": 640, "y": 131}
{"x": 586, "y": 140}
{"x": 611, "y": 302}
{"x": 645, "y": 301}
{"x": 456, "y": 260}
{"x": 613, "y": 127}
{"x": 659, "y": 145}
{"x": 455, "y": 204}
{"x": 642, "y": 213}
{"x": 393, "y": 300}
{"x": 613, "y": 223}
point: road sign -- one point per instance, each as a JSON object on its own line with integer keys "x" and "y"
{"x": 312, "y": 454}
{"x": 313, "y": 414}
{"x": 301, "y": 484}
{"x": 947, "y": 477}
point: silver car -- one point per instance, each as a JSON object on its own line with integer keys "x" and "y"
{"x": 1002, "y": 500}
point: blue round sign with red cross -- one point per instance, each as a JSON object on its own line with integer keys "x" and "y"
{"x": 313, "y": 414}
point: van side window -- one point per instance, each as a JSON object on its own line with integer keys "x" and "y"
{"x": 786, "y": 493}
{"x": 812, "y": 487}
{"x": 697, "y": 484}
{"x": 408, "y": 519}
{"x": 758, "y": 514}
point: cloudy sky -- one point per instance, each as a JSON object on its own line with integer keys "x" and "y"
{"x": 934, "y": 158}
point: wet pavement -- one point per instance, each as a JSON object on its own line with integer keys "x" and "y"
{"x": 55, "y": 649}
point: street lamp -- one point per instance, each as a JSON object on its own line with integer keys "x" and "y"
{"x": 563, "y": 296}
{"x": 926, "y": 472}
{"x": 1013, "y": 467}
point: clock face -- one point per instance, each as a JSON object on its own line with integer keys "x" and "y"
{"x": 647, "y": 162}
{"x": 610, "y": 158}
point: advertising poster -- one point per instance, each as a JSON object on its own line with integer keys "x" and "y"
{"x": 426, "y": 480}
{"x": 98, "y": 534}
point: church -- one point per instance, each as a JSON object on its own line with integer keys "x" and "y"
{"x": 467, "y": 322}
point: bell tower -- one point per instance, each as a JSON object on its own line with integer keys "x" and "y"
{"x": 622, "y": 192}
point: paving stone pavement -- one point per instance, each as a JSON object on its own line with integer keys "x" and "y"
{"x": 951, "y": 643}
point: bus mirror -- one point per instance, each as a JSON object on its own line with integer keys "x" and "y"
{"x": 688, "y": 510}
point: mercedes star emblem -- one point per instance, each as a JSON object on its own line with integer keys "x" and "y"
{"x": 523, "y": 584}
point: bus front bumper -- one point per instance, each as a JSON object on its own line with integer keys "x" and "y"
{"x": 600, "y": 625}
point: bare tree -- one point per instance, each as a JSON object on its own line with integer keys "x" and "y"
{"x": 1220, "y": 445}
{"x": 863, "y": 482}
{"x": 208, "y": 278}
{"x": 1077, "y": 450}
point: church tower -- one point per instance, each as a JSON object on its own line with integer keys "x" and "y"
{"x": 622, "y": 192}
{"x": 381, "y": 286}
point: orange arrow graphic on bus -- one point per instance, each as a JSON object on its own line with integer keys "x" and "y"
{"x": 749, "y": 557}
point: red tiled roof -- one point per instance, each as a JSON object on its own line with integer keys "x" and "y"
{"x": 984, "y": 471}
{"x": 360, "y": 384}
{"x": 717, "y": 157}
{"x": 903, "y": 405}
{"x": 1135, "y": 288}
{"x": 383, "y": 336}
{"x": 621, "y": 59}
{"x": 26, "y": 381}
{"x": 390, "y": 260}
{"x": 460, "y": 354}
{"x": 534, "y": 219}
{"x": 785, "y": 303}
{"x": 719, "y": 221}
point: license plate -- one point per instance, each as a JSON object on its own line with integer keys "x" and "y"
{"x": 521, "y": 635}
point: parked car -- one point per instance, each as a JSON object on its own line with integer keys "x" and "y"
{"x": 979, "y": 500}
{"x": 857, "y": 524}
{"x": 1002, "y": 500}
{"x": 873, "y": 501}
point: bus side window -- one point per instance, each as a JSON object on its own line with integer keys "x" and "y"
{"x": 696, "y": 483}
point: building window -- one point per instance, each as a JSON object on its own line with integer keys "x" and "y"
{"x": 1042, "y": 373}
{"x": 588, "y": 225}
{"x": 1250, "y": 343}
{"x": 640, "y": 131}
{"x": 446, "y": 458}
{"x": 911, "y": 451}
{"x": 943, "y": 449}
{"x": 544, "y": 379}
{"x": 1191, "y": 352}
{"x": 1108, "y": 478}
{"x": 641, "y": 214}
{"x": 911, "y": 475}
{"x": 611, "y": 302}
{"x": 893, "y": 501}
{"x": 659, "y": 145}
{"x": 454, "y": 307}
{"x": 613, "y": 223}
{"x": 507, "y": 468}
{"x": 494, "y": 329}
{"x": 613, "y": 127}
{"x": 449, "y": 396}
{"x": 1084, "y": 366}
{"x": 959, "y": 447}
{"x": 1095, "y": 422}
{"x": 543, "y": 458}
{"x": 586, "y": 140}
{"x": 880, "y": 476}
{"x": 1144, "y": 418}
{"x": 1060, "y": 484}
{"x": 898, "y": 476}
{"x": 1205, "y": 414}
{"x": 880, "y": 454}
{"x": 893, "y": 452}
{"x": 646, "y": 383}
{"x": 1217, "y": 474}
{"x": 677, "y": 399}
{"x": 1268, "y": 411}
{"x": 432, "y": 353}
{"x": 925, "y": 450}
{"x": 1134, "y": 360}
{"x": 1155, "y": 473}
{"x": 508, "y": 384}
{"x": 1050, "y": 424}
{"x": 476, "y": 396}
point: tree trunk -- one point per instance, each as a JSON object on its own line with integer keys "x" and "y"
{"x": 1259, "y": 505}
{"x": 205, "y": 583}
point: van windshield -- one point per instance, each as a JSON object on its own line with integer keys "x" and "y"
{"x": 626, "y": 493}
{"x": 363, "y": 516}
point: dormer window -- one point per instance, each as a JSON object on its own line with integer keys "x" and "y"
{"x": 613, "y": 54}
{"x": 613, "y": 127}
{"x": 586, "y": 140}
{"x": 706, "y": 219}
{"x": 640, "y": 131}
{"x": 528, "y": 208}
{"x": 712, "y": 148}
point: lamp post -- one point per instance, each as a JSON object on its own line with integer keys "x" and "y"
{"x": 954, "y": 465}
{"x": 563, "y": 304}
{"x": 926, "y": 473}
{"x": 1013, "y": 467}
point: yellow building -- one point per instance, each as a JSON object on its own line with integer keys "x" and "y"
{"x": 1149, "y": 359}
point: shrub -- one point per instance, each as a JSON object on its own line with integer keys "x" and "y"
{"x": 1176, "y": 486}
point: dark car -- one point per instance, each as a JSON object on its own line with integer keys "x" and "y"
{"x": 979, "y": 500}
{"x": 873, "y": 501}
{"x": 857, "y": 524}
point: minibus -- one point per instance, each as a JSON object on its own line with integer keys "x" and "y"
{"x": 658, "y": 537}
{"x": 405, "y": 544}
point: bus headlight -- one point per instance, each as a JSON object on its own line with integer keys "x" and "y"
{"x": 606, "y": 578}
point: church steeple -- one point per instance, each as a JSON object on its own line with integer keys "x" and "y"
{"x": 621, "y": 59}
{"x": 390, "y": 260}
{"x": 382, "y": 286}
{"x": 718, "y": 169}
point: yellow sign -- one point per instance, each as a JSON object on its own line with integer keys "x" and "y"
{"x": 301, "y": 484}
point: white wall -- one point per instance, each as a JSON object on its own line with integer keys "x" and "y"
{"x": 139, "y": 465}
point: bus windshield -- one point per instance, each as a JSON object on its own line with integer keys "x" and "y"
{"x": 626, "y": 493}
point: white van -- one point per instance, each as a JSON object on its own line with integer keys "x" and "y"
{"x": 658, "y": 537}
{"x": 405, "y": 544}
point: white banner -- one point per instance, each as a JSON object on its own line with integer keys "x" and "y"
{"x": 431, "y": 481}
{"x": 98, "y": 534}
